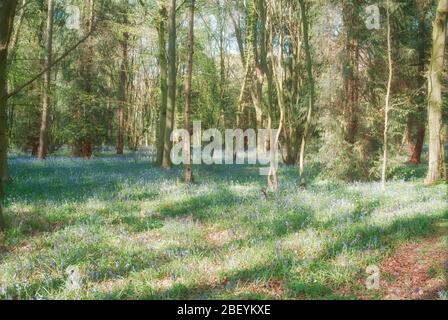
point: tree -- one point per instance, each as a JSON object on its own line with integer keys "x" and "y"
{"x": 7, "y": 13}
{"x": 83, "y": 145}
{"x": 387, "y": 104}
{"x": 350, "y": 71}
{"x": 43, "y": 136}
{"x": 416, "y": 126}
{"x": 163, "y": 78}
{"x": 123, "y": 88}
{"x": 311, "y": 87}
{"x": 278, "y": 75}
{"x": 436, "y": 170}
{"x": 172, "y": 73}
{"x": 188, "y": 170}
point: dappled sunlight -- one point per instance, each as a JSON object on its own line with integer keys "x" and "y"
{"x": 132, "y": 236}
{"x": 307, "y": 244}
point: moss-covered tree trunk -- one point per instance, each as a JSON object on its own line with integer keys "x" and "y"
{"x": 257, "y": 33}
{"x": 278, "y": 75}
{"x": 436, "y": 161}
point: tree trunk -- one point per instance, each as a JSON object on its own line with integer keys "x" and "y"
{"x": 43, "y": 136}
{"x": 259, "y": 62}
{"x": 418, "y": 146}
{"x": 86, "y": 146}
{"x": 387, "y": 107}
{"x": 350, "y": 74}
{"x": 188, "y": 169}
{"x": 17, "y": 27}
{"x": 256, "y": 16}
{"x": 278, "y": 75}
{"x": 171, "y": 102}
{"x": 163, "y": 84}
{"x": 7, "y": 12}
{"x": 309, "y": 68}
{"x": 416, "y": 122}
{"x": 222, "y": 67}
{"x": 2, "y": 220}
{"x": 239, "y": 39}
{"x": 122, "y": 93}
{"x": 435, "y": 169}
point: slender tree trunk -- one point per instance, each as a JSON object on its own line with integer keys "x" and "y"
{"x": 260, "y": 63}
{"x": 240, "y": 105}
{"x": 239, "y": 39}
{"x": 350, "y": 73}
{"x": 309, "y": 68}
{"x": 163, "y": 84}
{"x": 188, "y": 169}
{"x": 387, "y": 107}
{"x": 11, "y": 55}
{"x": 171, "y": 102}
{"x": 255, "y": 9}
{"x": 270, "y": 84}
{"x": 86, "y": 143}
{"x": 17, "y": 27}
{"x": 222, "y": 72}
{"x": 436, "y": 161}
{"x": 278, "y": 73}
{"x": 7, "y": 12}
{"x": 122, "y": 93}
{"x": 46, "y": 99}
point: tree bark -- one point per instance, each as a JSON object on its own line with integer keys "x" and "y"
{"x": 86, "y": 143}
{"x": 416, "y": 123}
{"x": 122, "y": 92}
{"x": 436, "y": 170}
{"x": 387, "y": 106}
{"x": 171, "y": 102}
{"x": 7, "y": 12}
{"x": 163, "y": 84}
{"x": 188, "y": 168}
{"x": 309, "y": 68}
{"x": 46, "y": 99}
{"x": 257, "y": 35}
{"x": 418, "y": 146}
{"x": 15, "y": 34}
{"x": 222, "y": 70}
{"x": 416, "y": 126}
{"x": 278, "y": 75}
{"x": 350, "y": 74}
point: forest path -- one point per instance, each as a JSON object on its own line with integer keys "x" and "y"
{"x": 418, "y": 270}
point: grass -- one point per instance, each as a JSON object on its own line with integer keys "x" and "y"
{"x": 136, "y": 232}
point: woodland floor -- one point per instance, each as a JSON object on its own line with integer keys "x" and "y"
{"x": 137, "y": 232}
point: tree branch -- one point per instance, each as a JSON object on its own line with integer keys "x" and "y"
{"x": 54, "y": 62}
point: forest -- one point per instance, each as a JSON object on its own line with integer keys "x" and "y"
{"x": 223, "y": 149}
